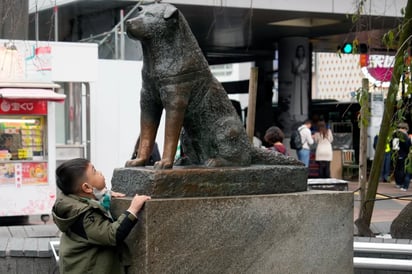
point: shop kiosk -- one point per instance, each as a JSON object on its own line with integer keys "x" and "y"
{"x": 27, "y": 148}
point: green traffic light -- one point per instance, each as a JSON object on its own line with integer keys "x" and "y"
{"x": 347, "y": 48}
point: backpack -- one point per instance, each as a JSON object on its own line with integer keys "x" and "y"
{"x": 296, "y": 140}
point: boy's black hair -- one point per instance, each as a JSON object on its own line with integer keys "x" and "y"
{"x": 70, "y": 173}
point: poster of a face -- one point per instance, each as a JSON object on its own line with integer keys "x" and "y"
{"x": 294, "y": 68}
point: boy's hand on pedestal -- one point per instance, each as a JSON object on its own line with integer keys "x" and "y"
{"x": 137, "y": 203}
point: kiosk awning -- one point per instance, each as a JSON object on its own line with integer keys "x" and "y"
{"x": 31, "y": 94}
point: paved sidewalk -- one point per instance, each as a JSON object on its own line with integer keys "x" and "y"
{"x": 30, "y": 231}
{"x": 385, "y": 209}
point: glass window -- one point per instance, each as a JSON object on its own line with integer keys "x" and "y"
{"x": 22, "y": 138}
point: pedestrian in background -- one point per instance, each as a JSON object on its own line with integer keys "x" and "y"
{"x": 324, "y": 153}
{"x": 386, "y": 165}
{"x": 154, "y": 156}
{"x": 274, "y": 136}
{"x": 307, "y": 141}
{"x": 400, "y": 145}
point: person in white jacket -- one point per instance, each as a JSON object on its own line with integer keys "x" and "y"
{"x": 307, "y": 141}
{"x": 324, "y": 152}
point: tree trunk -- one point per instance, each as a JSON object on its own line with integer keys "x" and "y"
{"x": 366, "y": 207}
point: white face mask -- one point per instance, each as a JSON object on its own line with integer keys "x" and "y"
{"x": 99, "y": 193}
{"x": 104, "y": 197}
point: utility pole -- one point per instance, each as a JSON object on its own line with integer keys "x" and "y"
{"x": 251, "y": 109}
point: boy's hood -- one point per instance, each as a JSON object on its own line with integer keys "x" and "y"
{"x": 68, "y": 208}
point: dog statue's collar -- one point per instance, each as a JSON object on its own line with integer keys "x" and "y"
{"x": 179, "y": 78}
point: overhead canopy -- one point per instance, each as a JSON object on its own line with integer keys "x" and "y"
{"x": 31, "y": 94}
{"x": 28, "y": 84}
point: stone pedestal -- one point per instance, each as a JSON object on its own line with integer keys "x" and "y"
{"x": 207, "y": 182}
{"x": 257, "y": 219}
{"x": 305, "y": 232}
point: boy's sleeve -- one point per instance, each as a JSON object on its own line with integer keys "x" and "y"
{"x": 101, "y": 231}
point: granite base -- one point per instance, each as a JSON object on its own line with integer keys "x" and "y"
{"x": 306, "y": 232}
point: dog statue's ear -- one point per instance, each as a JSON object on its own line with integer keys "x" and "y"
{"x": 170, "y": 12}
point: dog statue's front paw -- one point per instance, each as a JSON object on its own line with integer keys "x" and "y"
{"x": 162, "y": 164}
{"x": 135, "y": 162}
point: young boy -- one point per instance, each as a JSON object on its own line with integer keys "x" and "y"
{"x": 90, "y": 239}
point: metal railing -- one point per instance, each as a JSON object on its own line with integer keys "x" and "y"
{"x": 117, "y": 30}
{"x": 381, "y": 250}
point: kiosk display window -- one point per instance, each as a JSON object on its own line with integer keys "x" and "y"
{"x": 22, "y": 150}
{"x": 22, "y": 138}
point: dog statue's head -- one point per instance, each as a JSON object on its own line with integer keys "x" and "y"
{"x": 152, "y": 20}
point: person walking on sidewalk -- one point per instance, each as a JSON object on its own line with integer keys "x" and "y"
{"x": 400, "y": 145}
{"x": 307, "y": 141}
{"x": 386, "y": 165}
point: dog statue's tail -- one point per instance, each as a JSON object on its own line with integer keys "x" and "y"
{"x": 262, "y": 156}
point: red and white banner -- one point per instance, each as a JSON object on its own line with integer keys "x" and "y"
{"x": 19, "y": 107}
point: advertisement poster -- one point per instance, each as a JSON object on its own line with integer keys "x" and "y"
{"x": 28, "y": 182}
{"x": 22, "y": 61}
{"x": 7, "y": 173}
{"x": 34, "y": 173}
{"x": 294, "y": 75}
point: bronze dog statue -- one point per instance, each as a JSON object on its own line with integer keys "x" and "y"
{"x": 176, "y": 77}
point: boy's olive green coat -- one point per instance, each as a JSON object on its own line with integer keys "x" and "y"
{"x": 90, "y": 242}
